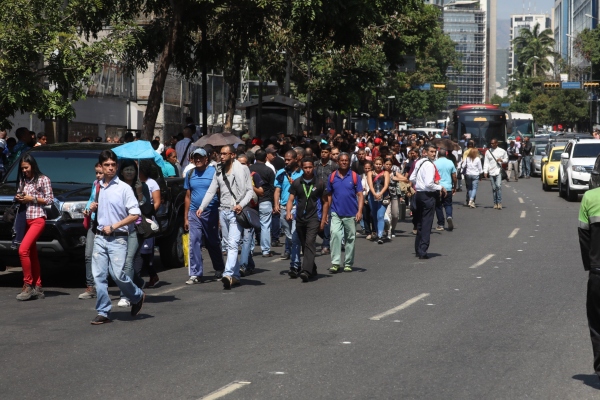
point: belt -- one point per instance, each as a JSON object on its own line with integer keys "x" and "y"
{"x": 116, "y": 233}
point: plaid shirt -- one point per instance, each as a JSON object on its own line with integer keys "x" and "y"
{"x": 41, "y": 189}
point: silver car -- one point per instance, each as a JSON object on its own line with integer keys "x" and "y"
{"x": 539, "y": 152}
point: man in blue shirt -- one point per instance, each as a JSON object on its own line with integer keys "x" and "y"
{"x": 283, "y": 182}
{"x": 206, "y": 227}
{"x": 344, "y": 189}
{"x": 447, "y": 171}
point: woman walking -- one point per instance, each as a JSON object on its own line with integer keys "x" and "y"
{"x": 35, "y": 192}
{"x": 395, "y": 191}
{"x": 472, "y": 170}
{"x": 379, "y": 181}
{"x": 367, "y": 217}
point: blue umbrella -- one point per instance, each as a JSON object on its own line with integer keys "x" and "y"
{"x": 139, "y": 150}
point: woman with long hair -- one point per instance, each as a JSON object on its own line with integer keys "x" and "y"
{"x": 379, "y": 181}
{"x": 472, "y": 171}
{"x": 394, "y": 207}
{"x": 367, "y": 217}
{"x": 34, "y": 192}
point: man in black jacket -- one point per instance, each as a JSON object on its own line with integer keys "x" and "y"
{"x": 526, "y": 160}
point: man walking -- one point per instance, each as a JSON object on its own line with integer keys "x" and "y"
{"x": 494, "y": 158}
{"x": 184, "y": 147}
{"x": 323, "y": 171}
{"x": 526, "y": 154}
{"x": 345, "y": 195}
{"x": 305, "y": 192}
{"x": 425, "y": 177}
{"x": 235, "y": 188}
{"x": 513, "y": 160}
{"x": 447, "y": 171}
{"x": 265, "y": 202}
{"x": 117, "y": 210}
{"x": 203, "y": 227}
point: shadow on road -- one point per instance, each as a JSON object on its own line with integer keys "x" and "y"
{"x": 589, "y": 380}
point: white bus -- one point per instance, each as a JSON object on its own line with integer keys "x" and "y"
{"x": 523, "y": 124}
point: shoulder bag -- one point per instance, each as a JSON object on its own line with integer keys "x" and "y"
{"x": 248, "y": 217}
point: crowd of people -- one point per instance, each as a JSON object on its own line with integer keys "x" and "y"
{"x": 256, "y": 192}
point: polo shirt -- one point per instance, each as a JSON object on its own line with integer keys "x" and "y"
{"x": 198, "y": 182}
{"x": 282, "y": 182}
{"x": 343, "y": 193}
{"x": 445, "y": 168}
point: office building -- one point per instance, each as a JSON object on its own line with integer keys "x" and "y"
{"x": 570, "y": 18}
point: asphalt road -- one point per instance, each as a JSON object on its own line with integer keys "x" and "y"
{"x": 497, "y": 313}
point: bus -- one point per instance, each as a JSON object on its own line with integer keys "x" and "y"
{"x": 523, "y": 124}
{"x": 481, "y": 123}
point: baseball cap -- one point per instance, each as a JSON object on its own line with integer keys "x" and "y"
{"x": 201, "y": 152}
{"x": 378, "y": 141}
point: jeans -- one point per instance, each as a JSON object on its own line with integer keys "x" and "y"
{"x": 232, "y": 233}
{"x": 342, "y": 228}
{"x": 526, "y": 165}
{"x": 289, "y": 229}
{"x": 133, "y": 250}
{"x": 378, "y": 214}
{"x": 204, "y": 231}
{"x": 472, "y": 182}
{"x": 275, "y": 226}
{"x": 424, "y": 217}
{"x": 109, "y": 257}
{"x": 265, "y": 212}
{"x": 89, "y": 250}
{"x": 28, "y": 253}
{"x": 446, "y": 205}
{"x": 497, "y": 188}
{"x": 246, "y": 259}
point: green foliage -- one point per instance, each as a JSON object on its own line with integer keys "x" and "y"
{"x": 567, "y": 107}
{"x": 587, "y": 45}
{"x": 533, "y": 49}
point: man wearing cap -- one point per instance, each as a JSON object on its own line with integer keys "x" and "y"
{"x": 274, "y": 160}
{"x": 203, "y": 229}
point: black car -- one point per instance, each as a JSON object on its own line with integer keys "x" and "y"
{"x": 70, "y": 167}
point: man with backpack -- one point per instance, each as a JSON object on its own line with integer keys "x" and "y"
{"x": 346, "y": 198}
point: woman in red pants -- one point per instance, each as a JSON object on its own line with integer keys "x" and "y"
{"x": 35, "y": 192}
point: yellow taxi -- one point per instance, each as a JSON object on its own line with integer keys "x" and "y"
{"x": 550, "y": 166}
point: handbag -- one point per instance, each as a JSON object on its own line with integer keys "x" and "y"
{"x": 248, "y": 217}
{"x": 146, "y": 227}
{"x": 10, "y": 214}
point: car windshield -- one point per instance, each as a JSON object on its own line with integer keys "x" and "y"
{"x": 539, "y": 151}
{"x": 482, "y": 128}
{"x": 584, "y": 150}
{"x": 77, "y": 168}
{"x": 523, "y": 126}
{"x": 556, "y": 155}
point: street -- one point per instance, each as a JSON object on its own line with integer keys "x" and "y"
{"x": 498, "y": 312}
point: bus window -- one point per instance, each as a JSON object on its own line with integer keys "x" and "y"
{"x": 482, "y": 128}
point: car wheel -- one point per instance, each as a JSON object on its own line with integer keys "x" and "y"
{"x": 171, "y": 248}
{"x": 545, "y": 187}
{"x": 571, "y": 195}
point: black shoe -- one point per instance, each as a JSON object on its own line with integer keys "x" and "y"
{"x": 285, "y": 256}
{"x": 425, "y": 257}
{"x": 305, "y": 276}
{"x": 450, "y": 223}
{"x": 218, "y": 274}
{"x": 380, "y": 241}
{"x": 100, "y": 319}
{"x": 242, "y": 271}
{"x": 249, "y": 272}
{"x": 137, "y": 307}
{"x": 293, "y": 273}
{"x": 275, "y": 243}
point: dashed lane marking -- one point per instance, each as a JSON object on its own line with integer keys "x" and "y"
{"x": 523, "y": 214}
{"x": 513, "y": 233}
{"x": 401, "y": 307}
{"x": 225, "y": 390}
{"x": 167, "y": 291}
{"x": 482, "y": 261}
{"x": 521, "y": 200}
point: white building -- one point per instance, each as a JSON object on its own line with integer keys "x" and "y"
{"x": 517, "y": 23}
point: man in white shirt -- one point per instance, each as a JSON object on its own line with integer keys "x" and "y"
{"x": 494, "y": 158}
{"x": 424, "y": 179}
{"x": 185, "y": 147}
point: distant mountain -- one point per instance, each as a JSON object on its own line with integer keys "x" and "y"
{"x": 503, "y": 33}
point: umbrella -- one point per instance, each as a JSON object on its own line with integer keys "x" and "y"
{"x": 138, "y": 150}
{"x": 445, "y": 144}
{"x": 218, "y": 140}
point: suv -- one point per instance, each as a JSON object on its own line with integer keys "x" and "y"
{"x": 576, "y": 164}
{"x": 70, "y": 167}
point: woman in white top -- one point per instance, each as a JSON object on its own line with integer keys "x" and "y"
{"x": 471, "y": 167}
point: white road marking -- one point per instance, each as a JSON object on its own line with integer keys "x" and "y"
{"x": 482, "y": 261}
{"x": 346, "y": 342}
{"x": 168, "y": 291}
{"x": 519, "y": 250}
{"x": 225, "y": 390}
{"x": 514, "y": 190}
{"x": 401, "y": 307}
{"x": 277, "y": 373}
{"x": 276, "y": 260}
{"x": 478, "y": 277}
{"x": 513, "y": 233}
{"x": 523, "y": 214}
{"x": 521, "y": 200}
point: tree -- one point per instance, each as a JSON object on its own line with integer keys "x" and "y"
{"x": 587, "y": 45}
{"x": 566, "y": 107}
{"x": 533, "y": 49}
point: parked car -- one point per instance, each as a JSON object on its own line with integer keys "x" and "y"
{"x": 550, "y": 168}
{"x": 70, "y": 167}
{"x": 577, "y": 162}
{"x": 539, "y": 152}
{"x": 595, "y": 175}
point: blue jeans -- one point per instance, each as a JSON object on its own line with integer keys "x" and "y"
{"x": 472, "y": 182}
{"x": 497, "y": 188}
{"x": 378, "y": 214}
{"x": 289, "y": 229}
{"x": 133, "y": 250}
{"x": 89, "y": 251}
{"x": 232, "y": 235}
{"x": 109, "y": 257}
{"x": 246, "y": 259}
{"x": 204, "y": 231}
{"x": 265, "y": 212}
{"x": 275, "y": 226}
{"x": 526, "y": 167}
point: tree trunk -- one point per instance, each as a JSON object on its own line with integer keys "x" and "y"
{"x": 160, "y": 75}
{"x": 233, "y": 86}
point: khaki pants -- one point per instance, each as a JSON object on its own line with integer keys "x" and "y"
{"x": 513, "y": 165}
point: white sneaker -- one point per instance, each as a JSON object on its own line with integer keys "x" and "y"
{"x": 193, "y": 280}
{"x": 123, "y": 303}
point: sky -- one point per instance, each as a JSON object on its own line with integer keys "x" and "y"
{"x": 507, "y": 7}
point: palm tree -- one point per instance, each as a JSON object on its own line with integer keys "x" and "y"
{"x": 533, "y": 48}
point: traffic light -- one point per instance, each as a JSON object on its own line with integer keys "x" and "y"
{"x": 591, "y": 85}
{"x": 551, "y": 85}
{"x": 439, "y": 86}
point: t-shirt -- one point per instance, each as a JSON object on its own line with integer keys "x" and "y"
{"x": 257, "y": 182}
{"x": 282, "y": 181}
{"x": 278, "y": 163}
{"x": 198, "y": 183}
{"x": 169, "y": 169}
{"x": 306, "y": 207}
{"x": 343, "y": 193}
{"x": 445, "y": 168}
{"x": 268, "y": 178}
{"x": 152, "y": 187}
